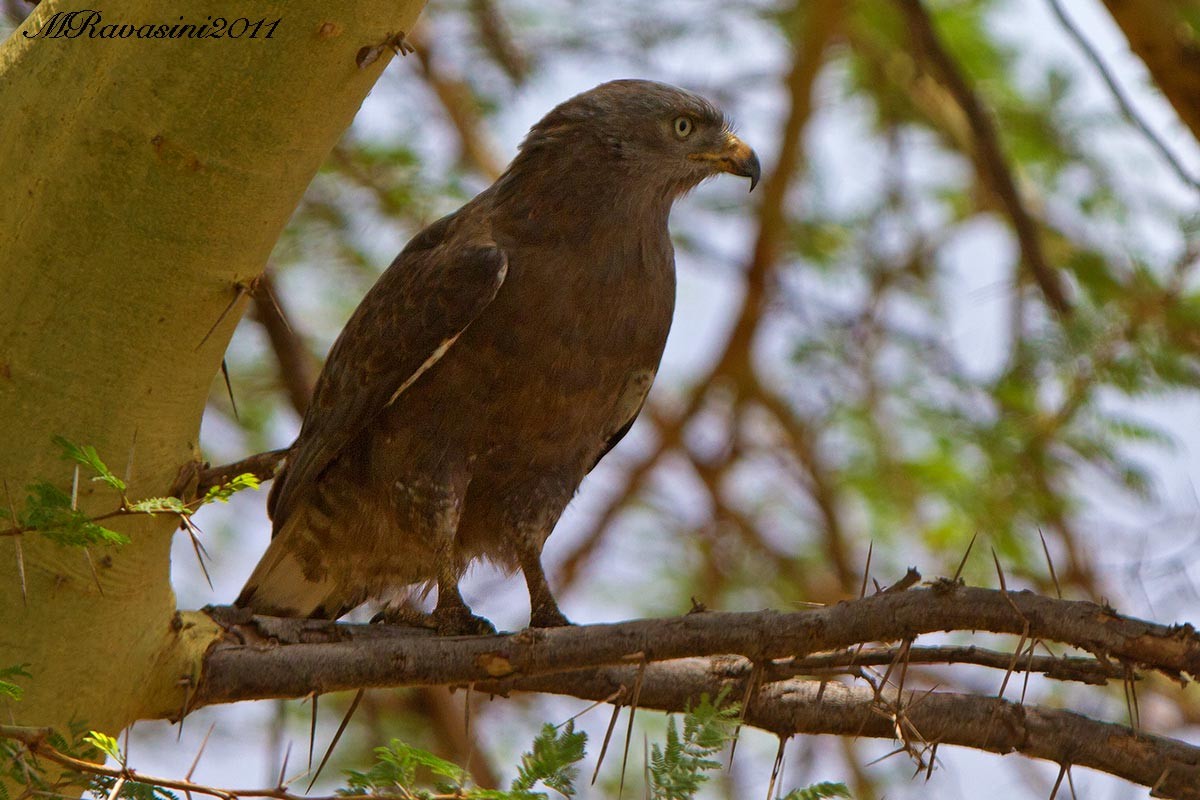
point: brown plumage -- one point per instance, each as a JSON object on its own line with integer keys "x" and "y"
{"x": 504, "y": 352}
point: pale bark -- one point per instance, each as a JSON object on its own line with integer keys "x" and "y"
{"x": 142, "y": 182}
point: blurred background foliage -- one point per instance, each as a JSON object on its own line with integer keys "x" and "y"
{"x": 862, "y": 354}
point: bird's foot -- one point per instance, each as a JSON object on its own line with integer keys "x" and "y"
{"x": 459, "y": 621}
{"x": 548, "y": 616}
{"x": 404, "y": 615}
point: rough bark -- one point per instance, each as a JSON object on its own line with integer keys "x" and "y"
{"x": 292, "y": 658}
{"x": 680, "y": 658}
{"x": 144, "y": 180}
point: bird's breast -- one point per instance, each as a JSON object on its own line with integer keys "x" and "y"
{"x": 540, "y": 374}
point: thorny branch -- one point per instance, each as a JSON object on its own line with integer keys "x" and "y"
{"x": 292, "y": 658}
{"x": 920, "y": 720}
{"x": 267, "y": 657}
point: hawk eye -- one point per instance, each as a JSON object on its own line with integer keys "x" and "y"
{"x": 683, "y": 127}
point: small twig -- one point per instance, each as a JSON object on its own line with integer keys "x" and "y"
{"x": 958, "y": 572}
{"x": 261, "y": 465}
{"x": 612, "y": 723}
{"x": 1050, "y": 564}
{"x": 200, "y": 752}
{"x": 633, "y": 707}
{"x": 992, "y": 162}
{"x": 1123, "y": 103}
{"x": 338, "y": 735}
{"x": 862, "y": 590}
{"x": 910, "y": 579}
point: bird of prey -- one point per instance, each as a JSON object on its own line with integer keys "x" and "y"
{"x": 504, "y": 352}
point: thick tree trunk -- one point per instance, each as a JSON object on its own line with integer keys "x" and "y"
{"x": 143, "y": 180}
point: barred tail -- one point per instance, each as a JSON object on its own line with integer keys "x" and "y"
{"x": 281, "y": 587}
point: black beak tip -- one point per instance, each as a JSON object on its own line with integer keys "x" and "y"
{"x": 753, "y": 170}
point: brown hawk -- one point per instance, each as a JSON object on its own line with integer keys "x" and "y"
{"x": 504, "y": 352}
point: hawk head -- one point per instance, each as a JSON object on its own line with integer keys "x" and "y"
{"x": 644, "y": 133}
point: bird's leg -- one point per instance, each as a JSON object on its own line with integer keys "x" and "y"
{"x": 435, "y": 500}
{"x": 543, "y": 608}
{"x": 452, "y": 616}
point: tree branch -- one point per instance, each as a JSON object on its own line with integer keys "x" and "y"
{"x": 292, "y": 658}
{"x": 297, "y": 370}
{"x": 990, "y": 154}
{"x": 1123, "y": 102}
{"x": 925, "y": 718}
{"x": 686, "y": 656}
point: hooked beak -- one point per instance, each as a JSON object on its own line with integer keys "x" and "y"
{"x": 736, "y": 158}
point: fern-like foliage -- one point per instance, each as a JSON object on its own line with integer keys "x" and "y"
{"x": 51, "y": 512}
{"x": 819, "y": 791}
{"x": 680, "y": 767}
{"x": 396, "y": 769}
{"x": 400, "y": 770}
{"x": 8, "y": 689}
{"x": 552, "y": 759}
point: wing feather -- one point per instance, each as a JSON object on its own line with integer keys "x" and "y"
{"x": 629, "y": 406}
{"x": 412, "y": 315}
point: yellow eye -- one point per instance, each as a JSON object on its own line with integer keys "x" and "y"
{"x": 683, "y": 127}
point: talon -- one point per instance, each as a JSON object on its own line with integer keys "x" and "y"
{"x": 461, "y": 622}
{"x": 548, "y": 617}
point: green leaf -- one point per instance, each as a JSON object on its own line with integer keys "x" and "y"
{"x": 48, "y": 511}
{"x": 395, "y": 770}
{"x": 222, "y": 493}
{"x": 680, "y": 767}
{"x": 551, "y": 760}
{"x": 819, "y": 791}
{"x": 104, "y": 743}
{"x": 160, "y": 505}
{"x": 7, "y": 687}
{"x": 88, "y": 457}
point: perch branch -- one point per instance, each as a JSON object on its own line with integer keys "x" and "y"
{"x": 291, "y": 658}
